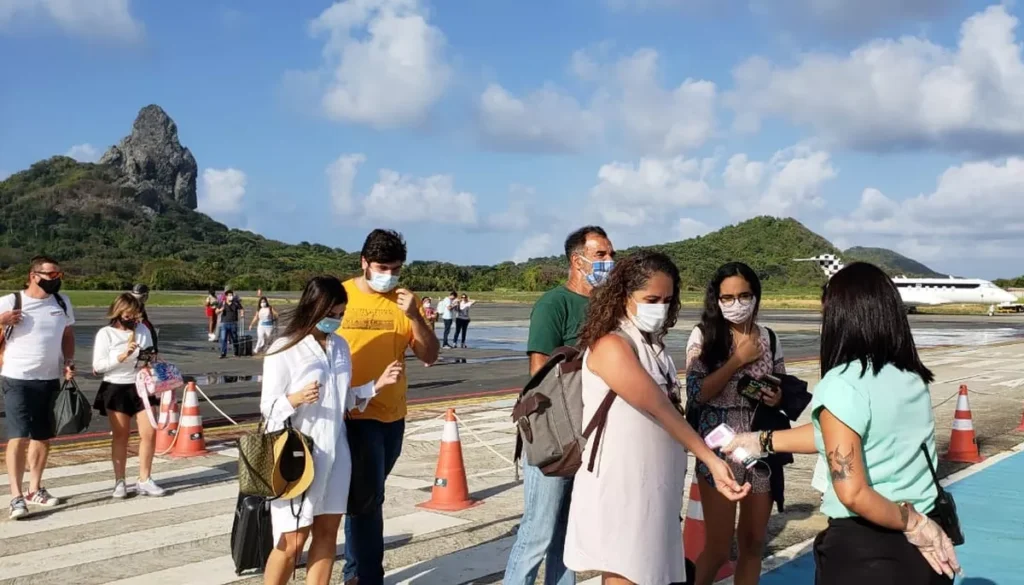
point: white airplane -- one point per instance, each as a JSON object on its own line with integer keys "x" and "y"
{"x": 917, "y": 292}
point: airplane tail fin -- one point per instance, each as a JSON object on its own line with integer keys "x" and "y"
{"x": 829, "y": 263}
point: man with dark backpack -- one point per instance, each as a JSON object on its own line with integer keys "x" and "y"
{"x": 554, "y": 323}
{"x": 36, "y": 353}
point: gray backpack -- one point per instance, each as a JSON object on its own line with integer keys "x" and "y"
{"x": 549, "y": 415}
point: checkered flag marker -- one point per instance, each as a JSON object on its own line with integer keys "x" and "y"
{"x": 829, "y": 263}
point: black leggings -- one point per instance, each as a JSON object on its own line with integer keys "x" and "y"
{"x": 460, "y": 327}
{"x": 853, "y": 551}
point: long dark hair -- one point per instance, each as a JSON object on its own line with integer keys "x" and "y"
{"x": 318, "y": 298}
{"x": 608, "y": 302}
{"x": 863, "y": 319}
{"x": 713, "y": 326}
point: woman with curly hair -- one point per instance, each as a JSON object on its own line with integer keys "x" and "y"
{"x": 623, "y": 520}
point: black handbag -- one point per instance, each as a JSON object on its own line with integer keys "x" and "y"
{"x": 251, "y": 534}
{"x": 72, "y": 413}
{"x": 945, "y": 508}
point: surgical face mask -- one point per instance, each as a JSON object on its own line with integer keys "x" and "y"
{"x": 229, "y": 298}
{"x": 599, "y": 270}
{"x": 382, "y": 282}
{"x": 50, "y": 287}
{"x": 650, "y": 317}
{"x": 737, "y": 312}
{"x": 264, "y": 305}
{"x": 328, "y": 325}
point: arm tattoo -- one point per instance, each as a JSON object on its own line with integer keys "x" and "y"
{"x": 841, "y": 465}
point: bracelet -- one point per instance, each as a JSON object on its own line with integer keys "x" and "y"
{"x": 769, "y": 443}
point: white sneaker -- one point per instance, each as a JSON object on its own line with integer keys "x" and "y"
{"x": 120, "y": 490}
{"x": 149, "y": 488}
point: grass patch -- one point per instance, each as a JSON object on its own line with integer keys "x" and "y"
{"x": 103, "y": 298}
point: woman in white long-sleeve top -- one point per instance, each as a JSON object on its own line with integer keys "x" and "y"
{"x": 115, "y": 356}
{"x": 307, "y": 377}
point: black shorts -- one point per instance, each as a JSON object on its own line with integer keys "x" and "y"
{"x": 29, "y": 407}
{"x": 122, "y": 398}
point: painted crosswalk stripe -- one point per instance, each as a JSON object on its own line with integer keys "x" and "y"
{"x": 101, "y": 549}
{"x": 73, "y": 470}
{"x": 221, "y": 570}
{"x": 178, "y": 476}
{"x": 458, "y": 567}
{"x": 132, "y": 507}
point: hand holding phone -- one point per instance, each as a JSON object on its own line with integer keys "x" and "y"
{"x": 721, "y": 436}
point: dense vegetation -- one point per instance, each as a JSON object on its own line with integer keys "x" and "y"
{"x": 108, "y": 237}
{"x": 895, "y": 263}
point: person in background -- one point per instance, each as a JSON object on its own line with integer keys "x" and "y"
{"x": 382, "y": 322}
{"x": 211, "y": 314}
{"x": 555, "y": 321}
{"x": 141, "y": 293}
{"x": 724, "y": 348}
{"x": 37, "y": 351}
{"x": 872, "y": 421}
{"x": 307, "y": 380}
{"x": 115, "y": 356}
{"x": 623, "y": 520}
{"x": 447, "y": 308}
{"x": 430, "y": 313}
{"x": 462, "y": 319}
{"x": 264, "y": 320}
{"x": 231, "y": 313}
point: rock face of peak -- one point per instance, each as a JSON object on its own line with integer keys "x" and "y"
{"x": 153, "y": 161}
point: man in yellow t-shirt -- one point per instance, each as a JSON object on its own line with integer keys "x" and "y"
{"x": 381, "y": 322}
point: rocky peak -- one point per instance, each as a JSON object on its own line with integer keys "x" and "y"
{"x": 153, "y": 161}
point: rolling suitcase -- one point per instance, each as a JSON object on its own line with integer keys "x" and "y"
{"x": 244, "y": 346}
{"x": 251, "y": 534}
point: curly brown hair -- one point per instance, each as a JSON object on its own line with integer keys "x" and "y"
{"x": 608, "y": 302}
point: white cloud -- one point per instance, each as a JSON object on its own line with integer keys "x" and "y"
{"x": 659, "y": 120}
{"x": 341, "y": 176}
{"x": 687, "y": 228}
{"x": 84, "y": 153}
{"x": 974, "y": 210}
{"x": 517, "y": 217}
{"x": 386, "y": 61}
{"x": 903, "y": 93}
{"x": 534, "y": 246}
{"x": 654, "y": 190}
{"x": 222, "y": 191}
{"x": 397, "y": 198}
{"x": 546, "y": 120}
{"x": 96, "y": 19}
{"x": 631, "y": 195}
{"x": 849, "y": 18}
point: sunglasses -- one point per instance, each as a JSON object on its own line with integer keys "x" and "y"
{"x": 53, "y": 275}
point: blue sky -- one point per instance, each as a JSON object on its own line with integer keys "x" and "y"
{"x": 486, "y": 130}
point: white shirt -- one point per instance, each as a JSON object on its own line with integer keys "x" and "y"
{"x": 111, "y": 343}
{"x": 34, "y": 350}
{"x": 445, "y": 308}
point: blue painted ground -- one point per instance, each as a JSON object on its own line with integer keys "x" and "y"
{"x": 991, "y": 507}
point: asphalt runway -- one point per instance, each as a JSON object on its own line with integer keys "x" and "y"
{"x": 494, "y": 363}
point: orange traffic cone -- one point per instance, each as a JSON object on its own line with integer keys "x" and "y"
{"x": 1020, "y": 427}
{"x": 167, "y": 424}
{"x": 190, "y": 440}
{"x": 450, "y": 492}
{"x": 694, "y": 533}
{"x": 963, "y": 446}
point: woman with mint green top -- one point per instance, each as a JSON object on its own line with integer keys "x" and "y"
{"x": 870, "y": 416}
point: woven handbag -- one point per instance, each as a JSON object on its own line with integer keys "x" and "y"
{"x": 256, "y": 459}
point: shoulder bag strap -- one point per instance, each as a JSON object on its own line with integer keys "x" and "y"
{"x": 931, "y": 468}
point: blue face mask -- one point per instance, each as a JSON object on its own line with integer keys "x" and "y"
{"x": 328, "y": 325}
{"x": 381, "y": 282}
{"x": 599, "y": 271}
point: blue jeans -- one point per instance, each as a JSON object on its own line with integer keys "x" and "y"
{"x": 228, "y": 330}
{"x": 375, "y": 448}
{"x": 541, "y": 531}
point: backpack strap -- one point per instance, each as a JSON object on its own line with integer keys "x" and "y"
{"x": 9, "y": 330}
{"x": 60, "y": 302}
{"x": 772, "y": 341}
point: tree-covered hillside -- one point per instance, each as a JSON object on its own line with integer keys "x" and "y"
{"x": 893, "y": 262}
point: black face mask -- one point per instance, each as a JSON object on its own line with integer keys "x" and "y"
{"x": 127, "y": 323}
{"x": 50, "y": 287}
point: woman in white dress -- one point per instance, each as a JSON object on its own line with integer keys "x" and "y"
{"x": 624, "y": 516}
{"x": 307, "y": 378}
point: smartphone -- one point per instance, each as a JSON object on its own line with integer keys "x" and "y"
{"x": 752, "y": 388}
{"x": 146, "y": 355}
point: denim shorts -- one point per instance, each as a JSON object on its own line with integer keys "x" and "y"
{"x": 28, "y": 405}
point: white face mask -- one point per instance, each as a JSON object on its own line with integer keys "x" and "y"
{"x": 738, "y": 313}
{"x": 650, "y": 317}
{"x": 382, "y": 282}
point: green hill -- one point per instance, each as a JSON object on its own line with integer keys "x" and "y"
{"x": 892, "y": 262}
{"x": 109, "y": 235}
